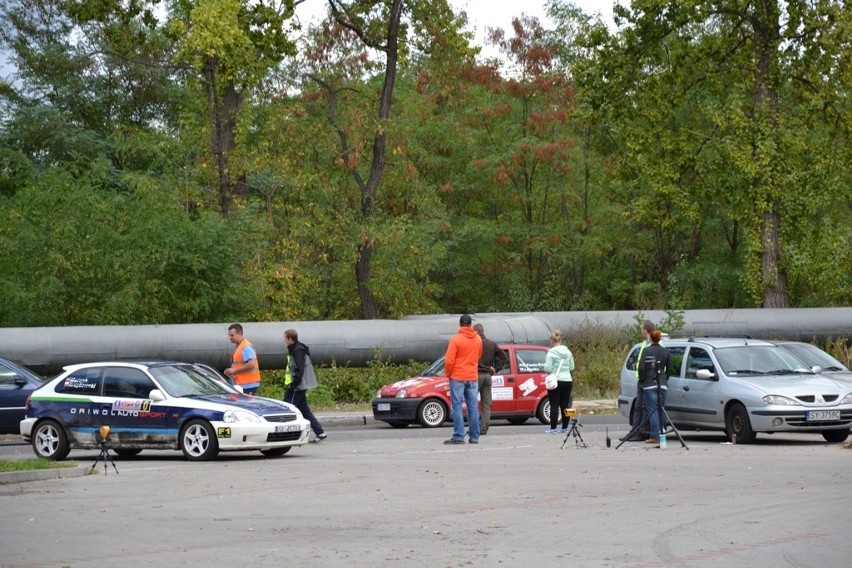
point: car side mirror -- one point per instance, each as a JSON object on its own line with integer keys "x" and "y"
{"x": 816, "y": 369}
{"x": 238, "y": 388}
{"x": 705, "y": 374}
{"x": 20, "y": 381}
{"x": 156, "y": 395}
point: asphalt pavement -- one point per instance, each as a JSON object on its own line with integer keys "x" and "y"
{"x": 379, "y": 496}
{"x": 329, "y": 419}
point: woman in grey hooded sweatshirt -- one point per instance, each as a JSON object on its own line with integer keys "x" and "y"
{"x": 560, "y": 397}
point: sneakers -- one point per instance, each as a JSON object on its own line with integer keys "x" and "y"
{"x": 453, "y": 441}
{"x": 320, "y": 438}
{"x": 550, "y": 431}
{"x": 472, "y": 441}
{"x": 563, "y": 431}
{"x": 652, "y": 441}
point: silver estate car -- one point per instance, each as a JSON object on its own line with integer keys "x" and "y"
{"x": 814, "y": 357}
{"x": 744, "y": 386}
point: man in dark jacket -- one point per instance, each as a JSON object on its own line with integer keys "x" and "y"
{"x": 492, "y": 360}
{"x": 296, "y": 394}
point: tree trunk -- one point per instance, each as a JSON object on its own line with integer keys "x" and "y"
{"x": 369, "y": 309}
{"x": 767, "y": 40}
{"x": 224, "y": 110}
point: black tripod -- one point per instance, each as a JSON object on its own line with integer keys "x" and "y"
{"x": 574, "y": 429}
{"x": 665, "y": 421}
{"x": 104, "y": 457}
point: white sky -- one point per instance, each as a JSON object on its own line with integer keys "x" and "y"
{"x": 483, "y": 14}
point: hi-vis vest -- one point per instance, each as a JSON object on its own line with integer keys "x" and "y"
{"x": 244, "y": 377}
{"x": 639, "y": 358}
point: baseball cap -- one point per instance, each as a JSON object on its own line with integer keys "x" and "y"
{"x": 465, "y": 320}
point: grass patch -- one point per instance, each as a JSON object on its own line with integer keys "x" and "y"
{"x": 30, "y": 464}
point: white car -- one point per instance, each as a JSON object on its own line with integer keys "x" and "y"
{"x": 744, "y": 386}
{"x": 156, "y": 405}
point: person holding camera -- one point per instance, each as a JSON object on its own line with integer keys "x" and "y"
{"x": 655, "y": 367}
{"x": 559, "y": 360}
{"x": 640, "y": 414}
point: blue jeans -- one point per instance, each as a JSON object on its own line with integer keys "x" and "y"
{"x": 465, "y": 391}
{"x": 656, "y": 418}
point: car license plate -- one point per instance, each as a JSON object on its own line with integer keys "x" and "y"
{"x": 383, "y": 407}
{"x": 814, "y": 415}
{"x": 287, "y": 428}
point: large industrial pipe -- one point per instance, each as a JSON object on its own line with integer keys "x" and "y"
{"x": 421, "y": 338}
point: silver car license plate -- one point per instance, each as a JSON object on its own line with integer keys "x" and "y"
{"x": 287, "y": 428}
{"x": 383, "y": 407}
{"x": 815, "y": 415}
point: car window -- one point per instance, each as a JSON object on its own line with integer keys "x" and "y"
{"x": 507, "y": 370}
{"x": 186, "y": 380}
{"x": 436, "y": 369}
{"x": 630, "y": 364}
{"x": 82, "y": 381}
{"x": 530, "y": 360}
{"x": 697, "y": 359}
{"x": 757, "y": 360}
{"x": 677, "y": 359}
{"x": 7, "y": 377}
{"x": 125, "y": 382}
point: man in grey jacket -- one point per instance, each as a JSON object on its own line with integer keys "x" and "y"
{"x": 298, "y": 381}
{"x": 493, "y": 359}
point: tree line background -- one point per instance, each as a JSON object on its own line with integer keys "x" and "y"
{"x": 212, "y": 160}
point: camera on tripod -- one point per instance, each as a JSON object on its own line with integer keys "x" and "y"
{"x": 572, "y": 414}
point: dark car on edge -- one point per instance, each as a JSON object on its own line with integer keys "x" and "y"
{"x": 16, "y": 384}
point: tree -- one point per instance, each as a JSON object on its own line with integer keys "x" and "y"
{"x": 707, "y": 100}
{"x": 231, "y": 45}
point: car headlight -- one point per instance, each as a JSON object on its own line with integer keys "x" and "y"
{"x": 401, "y": 393}
{"x": 778, "y": 400}
{"x": 379, "y": 393}
{"x": 240, "y": 416}
{"x": 847, "y": 399}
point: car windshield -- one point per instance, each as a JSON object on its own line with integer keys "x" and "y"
{"x": 758, "y": 360}
{"x": 814, "y": 356}
{"x": 436, "y": 369}
{"x": 187, "y": 380}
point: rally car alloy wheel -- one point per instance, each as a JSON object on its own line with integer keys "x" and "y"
{"x": 198, "y": 441}
{"x": 50, "y": 441}
{"x": 431, "y": 413}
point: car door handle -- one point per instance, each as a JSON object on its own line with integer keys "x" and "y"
{"x": 686, "y": 388}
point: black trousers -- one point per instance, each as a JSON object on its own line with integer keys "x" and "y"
{"x": 299, "y": 399}
{"x": 640, "y": 413}
{"x": 560, "y": 400}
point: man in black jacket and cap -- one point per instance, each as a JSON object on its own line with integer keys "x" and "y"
{"x": 492, "y": 360}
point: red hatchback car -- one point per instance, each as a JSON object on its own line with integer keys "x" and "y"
{"x": 518, "y": 392}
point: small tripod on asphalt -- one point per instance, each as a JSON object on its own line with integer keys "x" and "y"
{"x": 104, "y": 455}
{"x": 574, "y": 429}
{"x": 660, "y": 409}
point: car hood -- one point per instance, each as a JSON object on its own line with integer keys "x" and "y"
{"x": 257, "y": 404}
{"x": 414, "y": 384}
{"x": 842, "y": 377}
